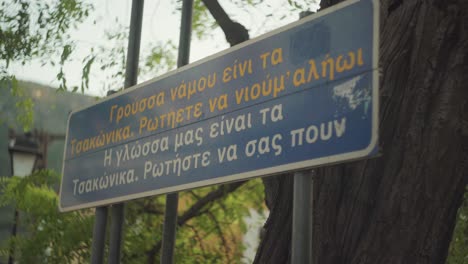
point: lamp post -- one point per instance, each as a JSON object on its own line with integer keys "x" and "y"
{"x": 24, "y": 152}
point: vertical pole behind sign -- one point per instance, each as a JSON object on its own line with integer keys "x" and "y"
{"x": 172, "y": 200}
{"x": 302, "y": 219}
{"x": 99, "y": 235}
{"x": 131, "y": 76}
{"x": 99, "y": 230}
{"x": 302, "y": 211}
{"x": 11, "y": 257}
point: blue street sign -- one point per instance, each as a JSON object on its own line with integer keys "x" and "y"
{"x": 302, "y": 96}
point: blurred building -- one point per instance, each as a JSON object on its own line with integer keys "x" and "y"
{"x": 51, "y": 109}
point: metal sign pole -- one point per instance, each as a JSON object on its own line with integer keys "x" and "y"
{"x": 302, "y": 218}
{"x": 172, "y": 200}
{"x": 131, "y": 76}
{"x": 100, "y": 226}
{"x": 99, "y": 235}
{"x": 301, "y": 244}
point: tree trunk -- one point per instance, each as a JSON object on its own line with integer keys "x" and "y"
{"x": 401, "y": 206}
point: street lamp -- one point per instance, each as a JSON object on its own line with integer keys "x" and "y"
{"x": 24, "y": 152}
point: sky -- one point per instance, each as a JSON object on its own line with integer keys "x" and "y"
{"x": 161, "y": 22}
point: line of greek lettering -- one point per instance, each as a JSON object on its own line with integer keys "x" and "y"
{"x": 135, "y": 107}
{"x": 176, "y": 166}
{"x": 108, "y": 157}
{"x": 263, "y": 146}
{"x": 268, "y": 87}
{"x": 329, "y": 66}
{"x": 237, "y": 70}
{"x": 228, "y": 125}
{"x": 171, "y": 119}
{"x": 218, "y": 103}
{"x": 230, "y": 153}
{"x": 136, "y": 150}
{"x": 101, "y": 140}
{"x": 188, "y": 90}
{"x": 188, "y": 137}
{"x": 276, "y": 114}
{"x": 104, "y": 182}
{"x": 275, "y": 57}
{"x": 324, "y": 131}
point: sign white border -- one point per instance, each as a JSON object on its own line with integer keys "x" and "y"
{"x": 261, "y": 172}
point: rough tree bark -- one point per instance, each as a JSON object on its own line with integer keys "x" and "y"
{"x": 401, "y": 206}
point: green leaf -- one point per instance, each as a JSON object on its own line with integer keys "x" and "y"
{"x": 67, "y": 50}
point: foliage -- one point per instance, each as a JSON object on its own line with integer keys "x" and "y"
{"x": 111, "y": 59}
{"x": 458, "y": 251}
{"x": 156, "y": 59}
{"x": 202, "y": 22}
{"x": 23, "y": 104}
{"x": 211, "y": 234}
{"x": 214, "y": 235}
{"x": 38, "y": 30}
{"x": 50, "y": 236}
{"x": 160, "y": 59}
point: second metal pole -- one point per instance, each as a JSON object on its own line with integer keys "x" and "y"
{"x": 99, "y": 235}
{"x": 11, "y": 257}
{"x": 301, "y": 245}
{"x": 172, "y": 200}
{"x": 131, "y": 76}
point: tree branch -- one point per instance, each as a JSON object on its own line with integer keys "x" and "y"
{"x": 327, "y": 3}
{"x": 196, "y": 209}
{"x": 220, "y": 233}
{"x": 235, "y": 32}
{"x": 222, "y": 191}
{"x": 198, "y": 238}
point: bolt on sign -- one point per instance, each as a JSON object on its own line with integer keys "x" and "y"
{"x": 301, "y": 96}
